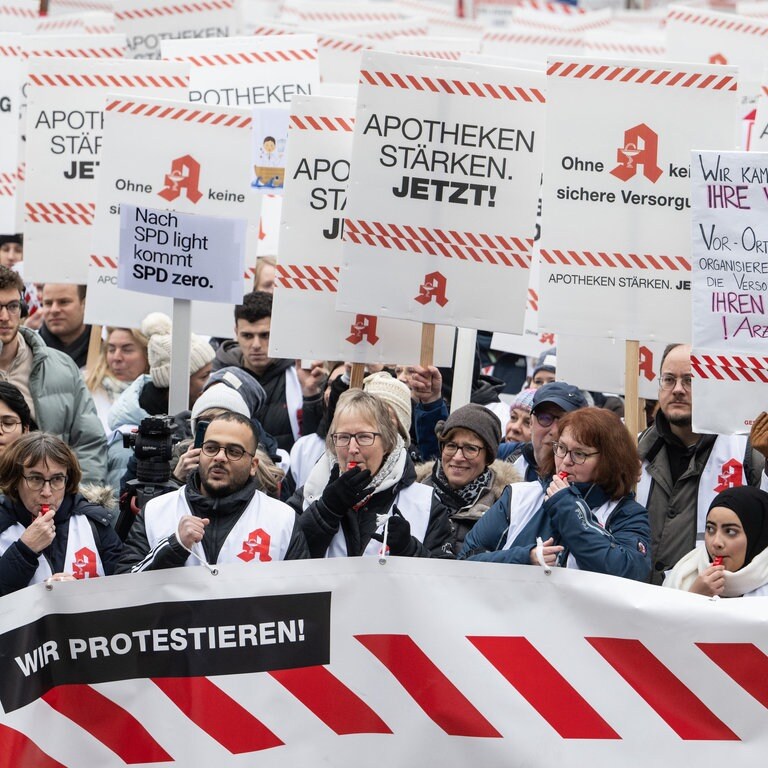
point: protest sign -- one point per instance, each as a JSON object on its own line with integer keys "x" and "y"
{"x": 526, "y": 43}
{"x": 443, "y": 190}
{"x": 340, "y": 56}
{"x": 629, "y": 44}
{"x": 386, "y": 30}
{"x": 730, "y": 286}
{"x": 332, "y": 14}
{"x": 19, "y": 15}
{"x": 147, "y": 22}
{"x": 61, "y": 7}
{"x": 65, "y": 123}
{"x": 305, "y": 323}
{"x": 10, "y": 98}
{"x": 615, "y": 246}
{"x": 323, "y": 662}
{"x": 759, "y": 142}
{"x": 450, "y": 48}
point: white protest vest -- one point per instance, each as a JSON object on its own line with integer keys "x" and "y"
{"x": 82, "y": 558}
{"x": 415, "y": 504}
{"x": 294, "y": 400}
{"x": 262, "y": 533}
{"x": 602, "y": 514}
{"x": 525, "y": 502}
{"x": 724, "y": 469}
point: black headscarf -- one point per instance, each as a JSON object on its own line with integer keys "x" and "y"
{"x": 750, "y": 505}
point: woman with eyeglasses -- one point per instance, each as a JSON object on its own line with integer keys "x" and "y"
{"x": 584, "y": 515}
{"x": 365, "y": 483}
{"x": 48, "y": 529}
{"x": 15, "y": 417}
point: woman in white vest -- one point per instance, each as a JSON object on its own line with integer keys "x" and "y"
{"x": 734, "y": 559}
{"x": 48, "y": 530}
{"x": 365, "y": 482}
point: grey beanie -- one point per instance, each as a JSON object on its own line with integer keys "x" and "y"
{"x": 243, "y": 383}
{"x": 478, "y": 419}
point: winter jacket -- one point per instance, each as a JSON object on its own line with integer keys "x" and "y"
{"x": 64, "y": 406}
{"x": 19, "y": 563}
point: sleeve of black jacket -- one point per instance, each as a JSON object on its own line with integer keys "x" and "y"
{"x": 298, "y": 549}
{"x": 438, "y": 538}
{"x": 137, "y": 555}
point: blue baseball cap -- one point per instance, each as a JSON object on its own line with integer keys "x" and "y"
{"x": 568, "y": 397}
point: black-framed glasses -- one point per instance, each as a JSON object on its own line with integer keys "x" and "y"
{"x": 468, "y": 450}
{"x": 13, "y": 307}
{"x": 668, "y": 382}
{"x": 37, "y": 482}
{"x": 547, "y": 419}
{"x": 363, "y": 439}
{"x": 232, "y": 452}
{"x": 9, "y": 424}
{"x": 577, "y": 456}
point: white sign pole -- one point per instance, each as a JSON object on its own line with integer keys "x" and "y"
{"x": 181, "y": 347}
{"x": 463, "y": 366}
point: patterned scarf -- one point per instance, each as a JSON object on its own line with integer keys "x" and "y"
{"x": 467, "y": 495}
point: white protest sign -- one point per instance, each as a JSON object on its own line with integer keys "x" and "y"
{"x": 19, "y": 15}
{"x": 305, "y": 323}
{"x": 730, "y": 288}
{"x": 615, "y": 245}
{"x": 450, "y": 48}
{"x": 334, "y": 14}
{"x": 340, "y": 56}
{"x": 176, "y": 156}
{"x": 759, "y": 142}
{"x": 147, "y": 22}
{"x": 560, "y": 16}
{"x": 443, "y": 191}
{"x": 61, "y": 7}
{"x": 444, "y": 25}
{"x": 757, "y": 8}
{"x": 181, "y": 255}
{"x": 630, "y": 44}
{"x": 386, "y": 30}
{"x": 64, "y": 145}
{"x": 524, "y": 42}
{"x": 10, "y": 99}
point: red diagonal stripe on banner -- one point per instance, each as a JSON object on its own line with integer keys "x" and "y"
{"x": 329, "y": 699}
{"x": 442, "y": 701}
{"x": 676, "y": 704}
{"x": 116, "y": 728}
{"x": 17, "y": 750}
{"x": 219, "y": 715}
{"x": 544, "y": 688}
{"x": 745, "y": 663}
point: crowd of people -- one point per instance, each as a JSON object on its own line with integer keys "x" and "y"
{"x": 280, "y": 459}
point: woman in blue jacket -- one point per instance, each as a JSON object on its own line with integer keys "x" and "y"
{"x": 585, "y": 514}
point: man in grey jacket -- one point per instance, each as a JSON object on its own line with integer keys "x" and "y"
{"x": 50, "y": 382}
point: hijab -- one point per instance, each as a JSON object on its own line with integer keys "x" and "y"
{"x": 750, "y": 505}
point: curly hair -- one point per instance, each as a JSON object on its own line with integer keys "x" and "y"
{"x": 256, "y": 306}
{"x": 9, "y": 278}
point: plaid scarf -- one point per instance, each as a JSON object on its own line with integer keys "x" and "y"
{"x": 467, "y": 495}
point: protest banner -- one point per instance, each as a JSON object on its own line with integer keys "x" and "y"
{"x": 19, "y": 15}
{"x": 348, "y": 662}
{"x": 148, "y": 22}
{"x": 730, "y": 286}
{"x": 615, "y": 246}
{"x": 443, "y": 191}
{"x": 305, "y": 323}
{"x": 175, "y": 156}
{"x": 10, "y": 98}
{"x": 65, "y": 119}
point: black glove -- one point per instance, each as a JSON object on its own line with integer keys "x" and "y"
{"x": 398, "y": 534}
{"x": 343, "y": 493}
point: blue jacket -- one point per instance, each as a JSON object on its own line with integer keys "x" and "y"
{"x": 620, "y": 548}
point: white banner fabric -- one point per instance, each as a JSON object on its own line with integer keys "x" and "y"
{"x": 10, "y": 99}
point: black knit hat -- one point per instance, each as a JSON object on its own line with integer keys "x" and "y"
{"x": 478, "y": 419}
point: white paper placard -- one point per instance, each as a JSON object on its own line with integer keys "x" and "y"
{"x": 19, "y": 15}
{"x": 443, "y": 192}
{"x": 332, "y": 14}
{"x": 10, "y": 99}
{"x": 523, "y": 42}
{"x": 615, "y": 247}
{"x": 630, "y": 44}
{"x": 414, "y": 26}
{"x": 759, "y": 137}
{"x": 449, "y": 48}
{"x": 340, "y": 55}
{"x": 64, "y": 146}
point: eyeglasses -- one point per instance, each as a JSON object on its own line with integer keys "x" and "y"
{"x": 577, "y": 456}
{"x": 468, "y": 450}
{"x": 668, "y": 381}
{"x": 9, "y": 424}
{"x": 547, "y": 419}
{"x": 232, "y": 452}
{"x": 363, "y": 439}
{"x": 13, "y": 307}
{"x": 37, "y": 482}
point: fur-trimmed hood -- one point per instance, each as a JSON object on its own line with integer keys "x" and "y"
{"x": 504, "y": 474}
{"x": 103, "y": 495}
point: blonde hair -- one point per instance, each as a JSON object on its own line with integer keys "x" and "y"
{"x": 94, "y": 378}
{"x": 369, "y": 407}
{"x": 261, "y": 262}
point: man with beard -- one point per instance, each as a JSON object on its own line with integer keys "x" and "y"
{"x": 683, "y": 471}
{"x": 220, "y": 516}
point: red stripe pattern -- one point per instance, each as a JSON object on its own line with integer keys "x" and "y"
{"x": 720, "y": 368}
{"x": 390, "y": 34}
{"x": 641, "y": 76}
{"x": 340, "y": 44}
{"x": 500, "y": 250}
{"x": 17, "y": 750}
{"x": 550, "y": 40}
{"x": 445, "y": 55}
{"x": 305, "y": 15}
{"x": 14, "y": 10}
{"x": 643, "y": 50}
{"x": 614, "y": 260}
{"x": 320, "y": 123}
{"x": 675, "y": 703}
{"x": 7, "y": 184}
{"x": 254, "y": 57}
{"x": 218, "y": 714}
{"x": 9, "y": 50}
{"x": 185, "y": 114}
{"x": 723, "y": 23}
{"x": 744, "y": 663}
{"x": 544, "y": 688}
{"x": 440, "y": 699}
{"x": 452, "y": 87}
{"x": 81, "y": 53}
{"x": 308, "y": 278}
{"x": 172, "y": 10}
{"x": 116, "y": 728}
{"x": 330, "y": 700}
{"x": 61, "y": 213}
{"x": 104, "y": 262}
{"x": 110, "y": 81}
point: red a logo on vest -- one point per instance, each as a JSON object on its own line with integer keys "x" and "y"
{"x": 433, "y": 289}
{"x": 731, "y": 476}
{"x": 84, "y": 564}
{"x": 257, "y": 543}
{"x": 363, "y": 329}
{"x": 184, "y": 176}
{"x": 641, "y": 147}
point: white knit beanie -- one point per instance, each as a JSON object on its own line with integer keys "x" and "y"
{"x": 219, "y": 396}
{"x": 157, "y": 328}
{"x": 395, "y": 394}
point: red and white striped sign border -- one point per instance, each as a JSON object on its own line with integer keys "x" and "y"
{"x": 307, "y": 278}
{"x": 82, "y": 53}
{"x": 322, "y": 123}
{"x": 91, "y": 80}
{"x": 254, "y": 57}
{"x": 643, "y": 50}
{"x": 172, "y": 10}
{"x": 500, "y": 250}
{"x": 7, "y": 184}
{"x": 9, "y": 50}
{"x": 15, "y": 10}
{"x": 615, "y": 260}
{"x": 339, "y": 44}
{"x": 84, "y": 5}
{"x": 533, "y": 300}
{"x": 48, "y": 24}
{"x": 550, "y": 41}
{"x": 185, "y": 114}
{"x": 60, "y": 213}
{"x": 572, "y": 28}
{"x": 739, "y": 368}
{"x": 350, "y": 15}
{"x": 715, "y": 22}
{"x": 390, "y": 34}
{"x": 536, "y": 5}
{"x": 452, "y": 87}
{"x": 641, "y": 76}
{"x": 446, "y": 55}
